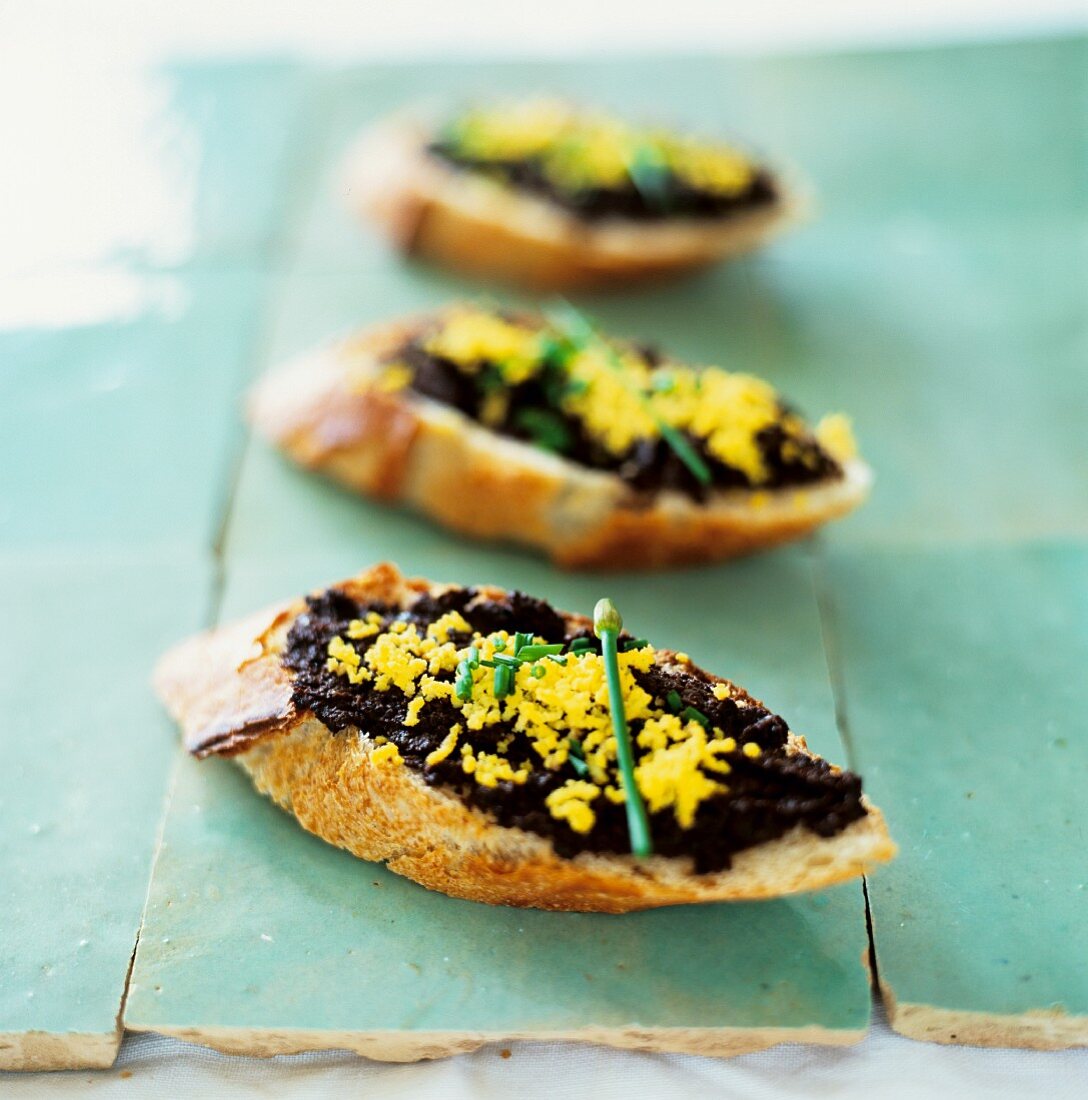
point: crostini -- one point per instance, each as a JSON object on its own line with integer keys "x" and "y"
{"x": 539, "y": 431}
{"x": 472, "y": 739}
{"x": 552, "y": 197}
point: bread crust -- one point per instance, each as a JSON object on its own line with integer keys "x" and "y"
{"x": 407, "y": 448}
{"x": 479, "y": 227}
{"x": 382, "y": 810}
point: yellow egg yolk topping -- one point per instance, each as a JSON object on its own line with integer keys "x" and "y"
{"x": 606, "y": 399}
{"x": 507, "y": 704}
{"x": 554, "y": 704}
{"x": 575, "y": 150}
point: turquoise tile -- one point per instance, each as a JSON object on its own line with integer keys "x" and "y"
{"x": 86, "y": 755}
{"x": 963, "y": 675}
{"x": 120, "y": 433}
{"x": 255, "y": 926}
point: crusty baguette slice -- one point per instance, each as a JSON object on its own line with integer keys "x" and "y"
{"x": 477, "y": 226}
{"x": 402, "y": 447}
{"x": 232, "y": 696}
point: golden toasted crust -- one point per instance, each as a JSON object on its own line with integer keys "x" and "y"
{"x": 405, "y": 447}
{"x": 382, "y": 810}
{"x": 474, "y": 225}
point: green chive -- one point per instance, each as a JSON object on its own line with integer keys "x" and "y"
{"x": 535, "y": 652}
{"x": 498, "y": 643}
{"x": 577, "y": 757}
{"x": 473, "y": 657}
{"x": 508, "y": 661}
{"x": 503, "y": 681}
{"x": 580, "y": 644}
{"x": 674, "y": 701}
{"x": 538, "y": 671}
{"x": 462, "y": 688}
{"x": 557, "y": 660}
{"x": 634, "y": 643}
{"x": 607, "y": 623}
{"x": 520, "y": 640}
{"x": 546, "y": 428}
{"x": 684, "y": 451}
{"x": 694, "y": 715}
{"x": 649, "y": 172}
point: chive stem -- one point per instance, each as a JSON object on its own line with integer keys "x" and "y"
{"x": 607, "y": 625}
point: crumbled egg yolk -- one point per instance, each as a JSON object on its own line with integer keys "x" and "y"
{"x": 582, "y": 149}
{"x": 681, "y": 763}
{"x": 620, "y": 399}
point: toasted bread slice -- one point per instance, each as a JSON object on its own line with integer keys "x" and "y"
{"x": 467, "y": 222}
{"x": 406, "y": 448}
{"x": 234, "y": 695}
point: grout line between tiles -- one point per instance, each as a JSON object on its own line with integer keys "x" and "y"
{"x": 283, "y": 246}
{"x": 825, "y": 607}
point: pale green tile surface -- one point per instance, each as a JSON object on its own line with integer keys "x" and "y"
{"x": 353, "y": 947}
{"x": 118, "y": 434}
{"x": 941, "y": 276}
{"x": 938, "y": 297}
{"x": 117, "y": 438}
{"x": 86, "y": 753}
{"x": 966, "y": 689}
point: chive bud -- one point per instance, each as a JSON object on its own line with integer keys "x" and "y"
{"x": 607, "y": 624}
{"x": 606, "y": 617}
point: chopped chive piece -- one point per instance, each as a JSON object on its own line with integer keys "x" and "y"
{"x": 607, "y": 623}
{"x": 463, "y": 686}
{"x": 674, "y": 701}
{"x": 557, "y": 660}
{"x": 538, "y": 671}
{"x": 580, "y": 644}
{"x": 694, "y": 715}
{"x": 545, "y": 428}
{"x": 635, "y": 643}
{"x": 503, "y": 681}
{"x": 685, "y": 451}
{"x": 473, "y": 657}
{"x": 552, "y": 351}
{"x": 577, "y": 757}
{"x": 498, "y": 643}
{"x": 520, "y": 640}
{"x": 506, "y": 660}
{"x": 535, "y": 652}
{"x": 488, "y": 664}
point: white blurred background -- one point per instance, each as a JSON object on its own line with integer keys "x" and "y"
{"x": 135, "y": 30}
